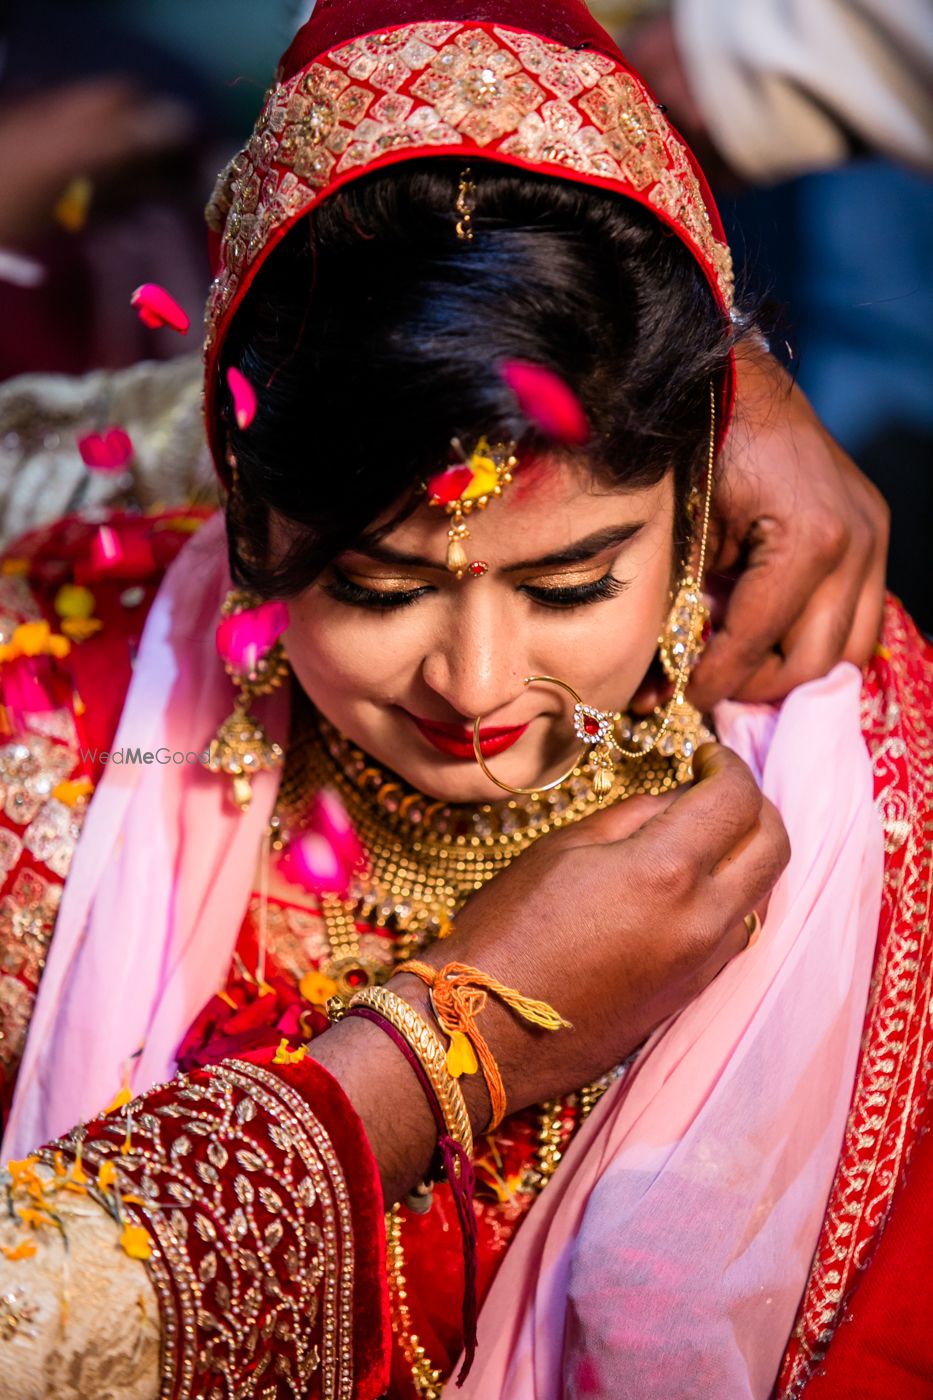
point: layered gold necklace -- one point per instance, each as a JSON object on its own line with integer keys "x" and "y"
{"x": 425, "y": 857}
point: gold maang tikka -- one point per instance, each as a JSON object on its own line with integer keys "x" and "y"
{"x": 471, "y": 486}
{"x": 676, "y": 730}
{"x": 466, "y": 197}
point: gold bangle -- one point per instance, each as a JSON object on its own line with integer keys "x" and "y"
{"x": 430, "y": 1053}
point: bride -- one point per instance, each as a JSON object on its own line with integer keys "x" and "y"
{"x": 422, "y": 910}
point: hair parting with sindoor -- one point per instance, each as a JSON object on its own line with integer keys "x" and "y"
{"x": 374, "y": 335}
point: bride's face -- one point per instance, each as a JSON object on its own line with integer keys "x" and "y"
{"x": 400, "y": 655}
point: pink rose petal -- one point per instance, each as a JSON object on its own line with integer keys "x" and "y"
{"x": 26, "y": 689}
{"x": 244, "y": 397}
{"x": 324, "y": 858}
{"x": 547, "y": 402}
{"x": 108, "y": 451}
{"x": 245, "y": 636}
{"x": 156, "y": 308}
{"x": 116, "y": 555}
{"x": 106, "y": 548}
{"x": 449, "y": 485}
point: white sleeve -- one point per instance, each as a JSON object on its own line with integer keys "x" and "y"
{"x": 788, "y": 86}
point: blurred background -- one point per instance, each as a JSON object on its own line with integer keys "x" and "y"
{"x": 816, "y": 124}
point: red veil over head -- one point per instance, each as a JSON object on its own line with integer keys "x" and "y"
{"x": 534, "y": 84}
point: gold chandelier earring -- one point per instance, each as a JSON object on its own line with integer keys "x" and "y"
{"x": 593, "y": 727}
{"x": 250, "y": 646}
{"x": 676, "y": 729}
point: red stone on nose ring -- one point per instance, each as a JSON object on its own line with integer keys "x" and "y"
{"x": 478, "y": 568}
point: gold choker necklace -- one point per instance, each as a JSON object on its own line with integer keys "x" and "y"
{"x": 425, "y": 856}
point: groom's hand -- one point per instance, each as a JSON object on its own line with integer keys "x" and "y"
{"x": 802, "y": 547}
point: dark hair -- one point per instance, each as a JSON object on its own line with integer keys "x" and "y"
{"x": 374, "y": 335}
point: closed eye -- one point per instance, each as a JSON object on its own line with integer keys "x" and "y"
{"x": 606, "y": 587}
{"x": 346, "y": 590}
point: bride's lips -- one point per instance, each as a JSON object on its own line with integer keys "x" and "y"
{"x": 456, "y": 740}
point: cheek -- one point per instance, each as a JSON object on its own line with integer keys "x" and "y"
{"x": 627, "y": 639}
{"x": 337, "y": 651}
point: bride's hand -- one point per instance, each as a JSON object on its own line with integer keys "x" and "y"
{"x": 617, "y": 922}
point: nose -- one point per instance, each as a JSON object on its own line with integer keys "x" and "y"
{"x": 477, "y": 664}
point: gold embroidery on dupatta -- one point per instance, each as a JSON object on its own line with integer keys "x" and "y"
{"x": 510, "y": 93}
{"x": 887, "y": 1095}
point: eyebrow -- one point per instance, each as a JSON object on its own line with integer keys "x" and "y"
{"x": 587, "y": 548}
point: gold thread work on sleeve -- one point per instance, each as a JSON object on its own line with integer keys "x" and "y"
{"x": 275, "y": 1249}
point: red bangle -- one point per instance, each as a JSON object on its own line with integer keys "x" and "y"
{"x": 458, "y": 1169}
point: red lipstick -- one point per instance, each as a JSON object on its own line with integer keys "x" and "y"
{"x": 456, "y": 740}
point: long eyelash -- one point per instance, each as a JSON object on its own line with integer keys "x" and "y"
{"x": 344, "y": 590}
{"x": 606, "y": 587}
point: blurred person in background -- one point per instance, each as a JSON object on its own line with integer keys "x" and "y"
{"x": 113, "y": 122}
{"x": 815, "y": 120}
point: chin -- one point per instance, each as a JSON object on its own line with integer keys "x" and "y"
{"x": 462, "y": 781}
{"x": 450, "y": 782}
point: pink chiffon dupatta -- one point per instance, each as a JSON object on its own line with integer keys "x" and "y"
{"x": 161, "y": 876}
{"x": 669, "y": 1254}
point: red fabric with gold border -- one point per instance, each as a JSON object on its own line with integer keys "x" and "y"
{"x": 850, "y": 1335}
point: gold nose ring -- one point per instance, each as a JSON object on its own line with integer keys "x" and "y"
{"x": 592, "y": 726}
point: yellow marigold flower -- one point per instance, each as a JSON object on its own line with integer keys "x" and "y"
{"x": 80, "y": 628}
{"x": 34, "y": 1218}
{"x": 34, "y": 639}
{"x": 24, "y": 1250}
{"x": 316, "y": 987}
{"x": 284, "y": 1056}
{"x": 120, "y": 1099}
{"x": 136, "y": 1242}
{"x": 73, "y": 791}
{"x": 507, "y": 1187}
{"x": 23, "y": 1172}
{"x": 181, "y": 524}
{"x": 106, "y": 1175}
{"x": 461, "y": 1057}
{"x": 77, "y": 1173}
{"x": 74, "y": 600}
{"x": 485, "y": 480}
{"x": 72, "y": 208}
